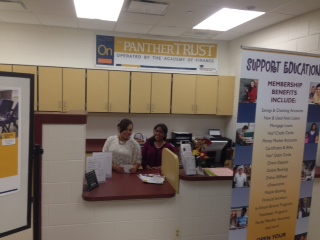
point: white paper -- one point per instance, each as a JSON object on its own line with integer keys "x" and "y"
{"x": 98, "y": 165}
{"x": 152, "y": 178}
{"x": 107, "y": 158}
{"x": 127, "y": 167}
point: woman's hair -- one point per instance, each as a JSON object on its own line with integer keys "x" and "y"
{"x": 250, "y": 87}
{"x": 163, "y": 128}
{"x": 314, "y": 124}
{"x": 124, "y": 124}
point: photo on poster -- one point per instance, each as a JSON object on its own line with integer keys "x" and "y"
{"x": 238, "y": 218}
{"x": 304, "y": 207}
{"x": 241, "y": 176}
{"x": 244, "y": 134}
{"x": 312, "y": 132}
{"x": 248, "y": 91}
{"x": 303, "y": 236}
{"x": 9, "y": 114}
{"x": 9, "y": 148}
{"x": 314, "y": 93}
{"x": 308, "y": 170}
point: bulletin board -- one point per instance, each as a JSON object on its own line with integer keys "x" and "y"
{"x": 16, "y": 151}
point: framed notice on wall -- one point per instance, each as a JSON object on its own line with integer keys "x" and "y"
{"x": 16, "y": 151}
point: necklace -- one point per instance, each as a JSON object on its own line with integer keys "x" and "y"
{"x": 121, "y": 142}
{"x": 157, "y": 145}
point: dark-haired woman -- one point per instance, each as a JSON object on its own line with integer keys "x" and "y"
{"x": 252, "y": 92}
{"x": 125, "y": 150}
{"x": 152, "y": 149}
{"x": 313, "y": 133}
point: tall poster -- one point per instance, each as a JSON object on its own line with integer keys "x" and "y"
{"x": 16, "y": 151}
{"x": 276, "y": 144}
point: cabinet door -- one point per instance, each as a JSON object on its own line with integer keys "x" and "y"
{"x": 97, "y": 90}
{"x": 119, "y": 90}
{"x": 74, "y": 87}
{"x": 140, "y": 92}
{"x": 5, "y": 68}
{"x": 183, "y": 94}
{"x": 160, "y": 93}
{"x": 30, "y": 70}
{"x": 50, "y": 89}
{"x": 206, "y": 95}
{"x": 225, "y": 100}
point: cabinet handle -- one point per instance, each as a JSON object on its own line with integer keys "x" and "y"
{"x": 196, "y": 110}
{"x": 110, "y": 107}
{"x": 64, "y": 106}
{"x": 152, "y": 107}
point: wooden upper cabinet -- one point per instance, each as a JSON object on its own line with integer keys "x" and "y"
{"x": 140, "y": 92}
{"x": 226, "y": 87}
{"x": 50, "y": 89}
{"x": 206, "y": 95}
{"x": 161, "y": 93}
{"x": 74, "y": 85}
{"x": 29, "y": 70}
{"x": 119, "y": 91}
{"x": 194, "y": 94}
{"x": 183, "y": 93}
{"x": 5, "y": 68}
{"x": 97, "y": 90}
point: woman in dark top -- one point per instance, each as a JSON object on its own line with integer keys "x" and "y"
{"x": 313, "y": 133}
{"x": 152, "y": 149}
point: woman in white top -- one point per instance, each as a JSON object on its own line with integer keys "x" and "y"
{"x": 125, "y": 150}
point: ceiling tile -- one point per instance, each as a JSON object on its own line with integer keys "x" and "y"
{"x": 133, "y": 28}
{"x": 57, "y": 20}
{"x": 58, "y": 7}
{"x": 18, "y": 17}
{"x": 299, "y": 7}
{"x": 96, "y": 24}
{"x": 181, "y": 15}
{"x": 167, "y": 31}
{"x": 138, "y": 18}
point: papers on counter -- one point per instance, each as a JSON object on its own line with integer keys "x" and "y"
{"x": 101, "y": 163}
{"x": 152, "y": 178}
{"x": 218, "y": 171}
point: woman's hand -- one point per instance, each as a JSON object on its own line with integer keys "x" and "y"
{"x": 134, "y": 169}
{"x": 118, "y": 168}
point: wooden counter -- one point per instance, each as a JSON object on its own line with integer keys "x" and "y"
{"x": 123, "y": 186}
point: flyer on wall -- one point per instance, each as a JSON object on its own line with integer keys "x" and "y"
{"x": 9, "y": 147}
{"x": 276, "y": 144}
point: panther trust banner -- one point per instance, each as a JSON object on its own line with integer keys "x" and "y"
{"x": 156, "y": 54}
{"x": 276, "y": 144}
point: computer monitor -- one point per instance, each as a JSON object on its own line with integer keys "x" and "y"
{"x": 215, "y": 132}
{"x": 216, "y": 145}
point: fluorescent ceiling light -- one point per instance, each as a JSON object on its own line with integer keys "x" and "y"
{"x": 107, "y": 10}
{"x": 227, "y": 18}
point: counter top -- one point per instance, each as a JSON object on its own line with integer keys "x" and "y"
{"x": 123, "y": 186}
{"x": 204, "y": 177}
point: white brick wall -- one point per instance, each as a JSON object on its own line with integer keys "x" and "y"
{"x": 200, "y": 211}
